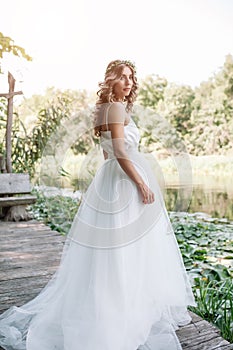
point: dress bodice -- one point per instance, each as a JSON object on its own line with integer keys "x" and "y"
{"x": 132, "y": 138}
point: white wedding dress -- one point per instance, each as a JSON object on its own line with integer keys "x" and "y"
{"x": 121, "y": 284}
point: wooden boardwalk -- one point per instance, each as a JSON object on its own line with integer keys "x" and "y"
{"x": 29, "y": 255}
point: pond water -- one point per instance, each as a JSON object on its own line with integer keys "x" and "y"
{"x": 207, "y": 193}
{"x": 211, "y": 195}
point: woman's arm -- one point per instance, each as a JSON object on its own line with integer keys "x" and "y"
{"x": 117, "y": 133}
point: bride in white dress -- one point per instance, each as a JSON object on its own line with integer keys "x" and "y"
{"x": 121, "y": 284}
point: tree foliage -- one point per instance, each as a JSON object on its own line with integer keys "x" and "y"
{"x": 7, "y": 45}
{"x": 212, "y": 130}
{"x": 199, "y": 120}
{"x": 176, "y": 106}
{"x": 151, "y": 91}
{"x": 29, "y": 139}
{"x": 203, "y": 117}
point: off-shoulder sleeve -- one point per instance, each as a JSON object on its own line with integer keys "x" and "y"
{"x": 116, "y": 113}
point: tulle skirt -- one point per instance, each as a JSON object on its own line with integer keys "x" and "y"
{"x": 121, "y": 284}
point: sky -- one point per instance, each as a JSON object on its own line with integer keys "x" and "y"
{"x": 72, "y": 41}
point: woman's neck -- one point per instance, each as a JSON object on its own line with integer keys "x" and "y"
{"x": 120, "y": 100}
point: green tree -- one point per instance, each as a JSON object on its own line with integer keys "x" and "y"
{"x": 212, "y": 130}
{"x": 225, "y": 77}
{"x": 177, "y": 107}
{"x": 202, "y": 117}
{"x": 151, "y": 91}
{"x": 30, "y": 136}
{"x": 31, "y": 107}
{"x": 7, "y": 45}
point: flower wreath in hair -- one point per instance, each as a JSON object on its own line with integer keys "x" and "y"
{"x": 118, "y": 62}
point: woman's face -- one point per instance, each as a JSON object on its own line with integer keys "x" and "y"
{"x": 123, "y": 87}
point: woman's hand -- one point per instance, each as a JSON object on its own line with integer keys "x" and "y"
{"x": 146, "y": 193}
{"x": 105, "y": 154}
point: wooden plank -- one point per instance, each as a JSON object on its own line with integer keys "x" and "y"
{"x": 34, "y": 231}
{"x": 22, "y": 200}
{"x": 8, "y": 236}
{"x": 30, "y": 255}
{"x": 32, "y": 247}
{"x": 201, "y": 335}
{"x": 10, "y": 94}
{"x": 11, "y": 235}
{"x": 29, "y": 282}
{"x": 31, "y": 227}
{"x": 14, "y": 183}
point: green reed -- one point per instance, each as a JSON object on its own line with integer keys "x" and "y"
{"x": 215, "y": 304}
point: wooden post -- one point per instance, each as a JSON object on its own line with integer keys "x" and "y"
{"x": 2, "y": 164}
{"x": 9, "y": 96}
{"x": 11, "y": 82}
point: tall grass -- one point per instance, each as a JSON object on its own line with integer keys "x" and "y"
{"x": 215, "y": 304}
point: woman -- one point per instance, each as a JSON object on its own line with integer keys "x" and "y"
{"x": 121, "y": 284}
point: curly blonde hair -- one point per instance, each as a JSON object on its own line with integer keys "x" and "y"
{"x": 112, "y": 76}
